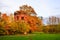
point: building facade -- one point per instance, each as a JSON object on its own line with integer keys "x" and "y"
{"x": 28, "y": 15}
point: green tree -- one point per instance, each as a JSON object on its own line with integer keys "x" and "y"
{"x": 2, "y": 27}
{"x": 23, "y": 27}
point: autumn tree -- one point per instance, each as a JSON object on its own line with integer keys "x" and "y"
{"x": 53, "y": 24}
{"x": 2, "y": 27}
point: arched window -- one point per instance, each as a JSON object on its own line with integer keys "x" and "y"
{"x": 17, "y": 17}
{"x": 22, "y": 18}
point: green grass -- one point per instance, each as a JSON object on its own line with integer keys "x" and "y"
{"x": 36, "y": 36}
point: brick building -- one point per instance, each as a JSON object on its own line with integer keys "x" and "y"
{"x": 28, "y": 15}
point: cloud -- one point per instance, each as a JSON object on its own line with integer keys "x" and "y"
{"x": 43, "y": 8}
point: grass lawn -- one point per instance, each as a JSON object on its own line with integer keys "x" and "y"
{"x": 36, "y": 36}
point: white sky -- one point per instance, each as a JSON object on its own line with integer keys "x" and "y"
{"x": 43, "y": 8}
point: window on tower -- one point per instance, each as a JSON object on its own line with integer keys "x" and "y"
{"x": 17, "y": 17}
{"x": 22, "y": 18}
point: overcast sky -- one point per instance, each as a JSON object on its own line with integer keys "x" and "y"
{"x": 43, "y": 8}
